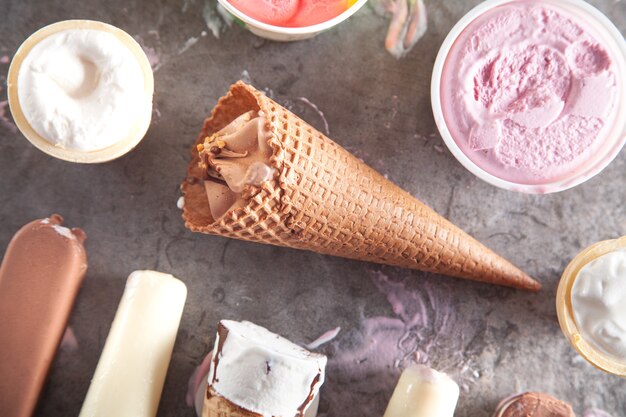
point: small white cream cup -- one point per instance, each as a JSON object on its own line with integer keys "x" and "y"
{"x": 565, "y": 310}
{"x": 614, "y": 139}
{"x": 285, "y": 34}
{"x": 125, "y": 144}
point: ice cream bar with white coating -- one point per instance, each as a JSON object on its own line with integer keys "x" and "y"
{"x": 423, "y": 392}
{"x": 131, "y": 371}
{"x": 255, "y": 373}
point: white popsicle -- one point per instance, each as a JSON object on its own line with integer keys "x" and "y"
{"x": 131, "y": 371}
{"x": 423, "y": 392}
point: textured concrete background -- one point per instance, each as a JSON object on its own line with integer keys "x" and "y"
{"x": 494, "y": 341}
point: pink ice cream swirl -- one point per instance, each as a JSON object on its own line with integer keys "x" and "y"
{"x": 526, "y": 92}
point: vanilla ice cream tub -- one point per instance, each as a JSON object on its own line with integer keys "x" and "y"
{"x": 81, "y": 91}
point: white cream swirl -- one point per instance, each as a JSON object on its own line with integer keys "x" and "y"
{"x": 82, "y": 89}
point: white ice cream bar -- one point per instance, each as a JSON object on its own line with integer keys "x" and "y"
{"x": 423, "y": 392}
{"x": 131, "y": 371}
{"x": 263, "y": 372}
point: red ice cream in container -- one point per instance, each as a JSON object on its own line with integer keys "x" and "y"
{"x": 291, "y": 20}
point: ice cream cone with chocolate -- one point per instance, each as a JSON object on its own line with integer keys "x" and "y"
{"x": 260, "y": 173}
{"x": 255, "y": 373}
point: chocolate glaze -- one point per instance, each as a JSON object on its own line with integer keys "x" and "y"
{"x": 42, "y": 270}
{"x": 535, "y": 404}
{"x": 222, "y": 333}
{"x": 310, "y": 397}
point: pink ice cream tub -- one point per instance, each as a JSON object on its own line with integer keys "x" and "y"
{"x": 529, "y": 95}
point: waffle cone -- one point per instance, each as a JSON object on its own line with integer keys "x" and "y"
{"x": 217, "y": 406}
{"x": 326, "y": 200}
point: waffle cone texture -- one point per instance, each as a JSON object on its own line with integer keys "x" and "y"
{"x": 325, "y": 200}
{"x": 217, "y": 406}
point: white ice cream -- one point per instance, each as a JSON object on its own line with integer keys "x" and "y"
{"x": 423, "y": 392}
{"x": 263, "y": 372}
{"x": 599, "y": 303}
{"x": 82, "y": 89}
{"x": 131, "y": 371}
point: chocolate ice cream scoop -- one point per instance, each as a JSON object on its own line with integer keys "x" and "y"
{"x": 233, "y": 159}
{"x": 42, "y": 270}
{"x": 533, "y": 404}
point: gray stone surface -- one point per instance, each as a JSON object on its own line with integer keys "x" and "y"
{"x": 495, "y": 341}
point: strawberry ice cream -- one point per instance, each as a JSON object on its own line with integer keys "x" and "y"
{"x": 272, "y": 12}
{"x": 292, "y": 13}
{"x": 528, "y": 92}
